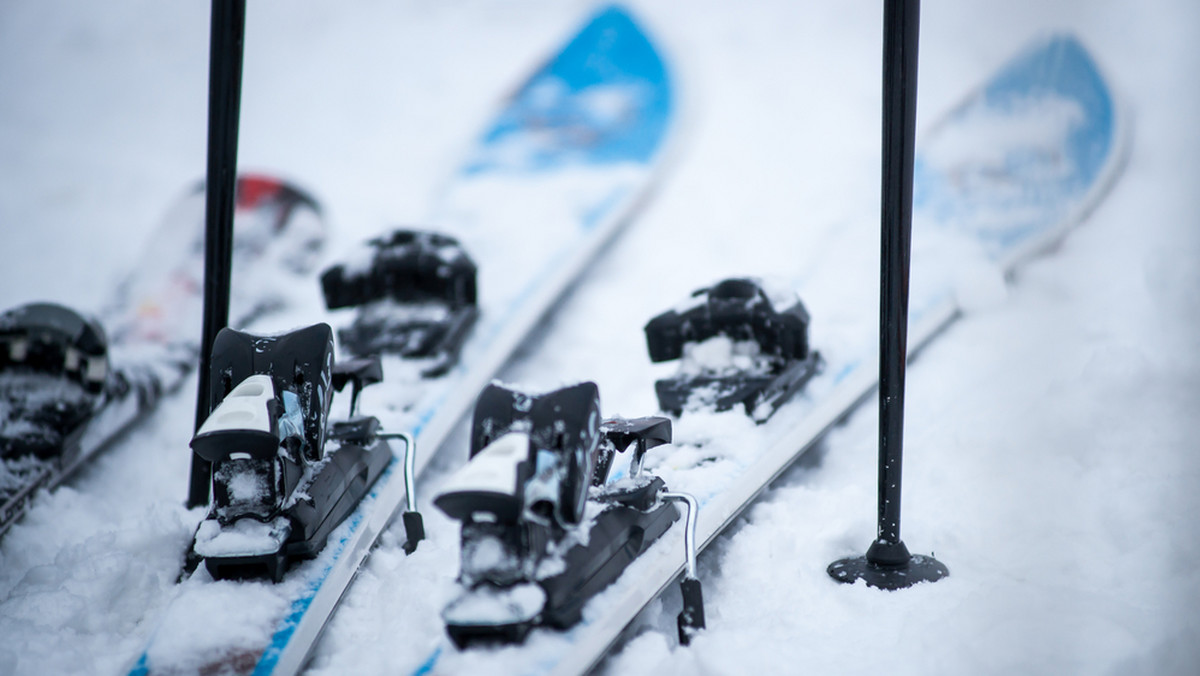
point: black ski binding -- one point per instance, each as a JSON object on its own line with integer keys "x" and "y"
{"x": 53, "y": 373}
{"x": 283, "y": 477}
{"x": 416, "y": 298}
{"x": 539, "y": 463}
{"x": 54, "y": 377}
{"x": 60, "y": 399}
{"x": 739, "y": 345}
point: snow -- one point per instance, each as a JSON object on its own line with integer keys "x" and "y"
{"x": 244, "y": 537}
{"x": 492, "y": 605}
{"x": 1051, "y": 459}
{"x": 721, "y": 355}
{"x": 486, "y": 553}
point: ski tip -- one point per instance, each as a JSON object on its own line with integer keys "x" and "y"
{"x": 260, "y": 188}
{"x": 606, "y": 97}
{"x": 1058, "y": 63}
{"x": 1027, "y": 155}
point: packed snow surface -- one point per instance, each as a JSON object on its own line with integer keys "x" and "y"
{"x": 1051, "y": 455}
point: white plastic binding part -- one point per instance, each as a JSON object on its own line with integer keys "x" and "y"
{"x": 244, "y": 408}
{"x": 492, "y": 470}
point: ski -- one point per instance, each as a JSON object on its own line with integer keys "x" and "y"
{"x": 1000, "y": 178}
{"x": 562, "y": 166}
{"x": 71, "y": 382}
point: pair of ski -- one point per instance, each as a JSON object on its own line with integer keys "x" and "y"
{"x": 557, "y": 137}
{"x": 1000, "y": 178}
{"x": 584, "y": 139}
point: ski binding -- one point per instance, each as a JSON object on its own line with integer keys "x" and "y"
{"x": 739, "y": 341}
{"x": 283, "y": 477}
{"x": 416, "y": 298}
{"x": 53, "y": 375}
{"x": 60, "y": 399}
{"x": 543, "y": 530}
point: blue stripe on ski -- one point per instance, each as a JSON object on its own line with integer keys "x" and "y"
{"x": 281, "y": 637}
{"x": 427, "y": 667}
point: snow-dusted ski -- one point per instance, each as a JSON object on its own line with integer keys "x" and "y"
{"x": 999, "y": 179}
{"x": 71, "y": 382}
{"x": 563, "y": 165}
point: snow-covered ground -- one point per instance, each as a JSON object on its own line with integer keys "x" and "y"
{"x": 1051, "y": 461}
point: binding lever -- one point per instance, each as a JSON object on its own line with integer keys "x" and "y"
{"x": 414, "y": 525}
{"x": 646, "y": 433}
{"x": 691, "y": 618}
{"x": 360, "y": 373}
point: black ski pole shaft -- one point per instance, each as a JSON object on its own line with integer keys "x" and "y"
{"x": 901, "y": 24}
{"x": 224, "y": 106}
{"x": 888, "y": 564}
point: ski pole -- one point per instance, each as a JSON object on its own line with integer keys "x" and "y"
{"x": 888, "y": 563}
{"x": 224, "y": 106}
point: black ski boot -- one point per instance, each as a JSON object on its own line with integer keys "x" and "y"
{"x": 282, "y": 476}
{"x": 542, "y": 530}
{"x": 416, "y": 298}
{"x": 738, "y": 345}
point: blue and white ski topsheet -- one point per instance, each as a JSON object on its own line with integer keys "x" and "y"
{"x": 562, "y": 166}
{"x": 1002, "y": 176}
{"x": 1021, "y": 160}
